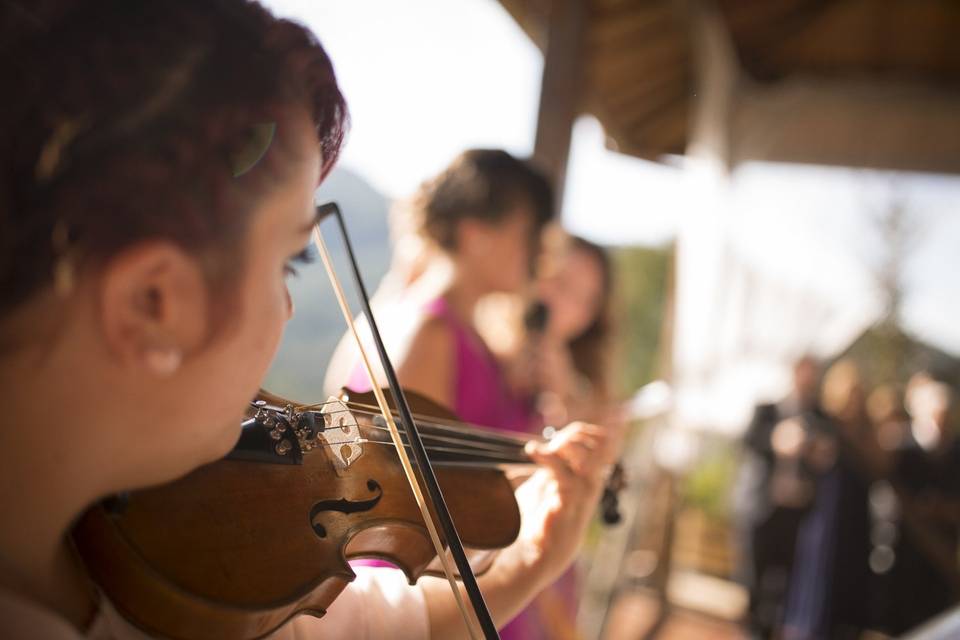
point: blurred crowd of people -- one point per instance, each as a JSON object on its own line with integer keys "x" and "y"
{"x": 848, "y": 506}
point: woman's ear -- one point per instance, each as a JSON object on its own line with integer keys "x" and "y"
{"x": 153, "y": 306}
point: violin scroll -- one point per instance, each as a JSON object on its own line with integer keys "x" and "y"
{"x": 610, "y": 501}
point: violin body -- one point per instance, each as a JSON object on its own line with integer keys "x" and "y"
{"x": 238, "y": 547}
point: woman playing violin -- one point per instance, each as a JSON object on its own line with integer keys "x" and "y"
{"x": 159, "y": 164}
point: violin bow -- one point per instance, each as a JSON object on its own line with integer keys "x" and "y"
{"x": 484, "y": 619}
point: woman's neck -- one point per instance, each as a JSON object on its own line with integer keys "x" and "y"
{"x": 462, "y": 296}
{"x": 42, "y": 490}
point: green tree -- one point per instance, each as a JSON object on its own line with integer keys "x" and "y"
{"x": 642, "y": 276}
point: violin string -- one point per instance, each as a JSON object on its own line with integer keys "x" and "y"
{"x": 458, "y": 427}
{"x": 463, "y": 427}
{"x": 479, "y": 438}
{"x": 466, "y": 448}
{"x": 472, "y": 454}
{"x": 461, "y": 446}
{"x": 477, "y": 435}
{"x": 467, "y": 445}
{"x": 509, "y": 448}
{"x": 475, "y": 456}
{"x": 472, "y": 430}
{"x": 469, "y": 440}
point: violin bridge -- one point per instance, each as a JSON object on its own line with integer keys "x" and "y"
{"x": 341, "y": 435}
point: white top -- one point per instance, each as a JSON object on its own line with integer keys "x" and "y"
{"x": 378, "y": 604}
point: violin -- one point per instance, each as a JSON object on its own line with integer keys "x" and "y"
{"x": 238, "y": 547}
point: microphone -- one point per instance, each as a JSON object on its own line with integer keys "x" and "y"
{"x": 536, "y": 317}
{"x": 535, "y": 322}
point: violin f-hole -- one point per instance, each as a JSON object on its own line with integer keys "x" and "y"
{"x": 345, "y": 506}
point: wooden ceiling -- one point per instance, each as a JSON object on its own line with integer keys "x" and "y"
{"x": 908, "y": 40}
{"x": 638, "y": 58}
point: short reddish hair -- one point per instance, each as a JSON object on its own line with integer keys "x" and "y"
{"x": 122, "y": 119}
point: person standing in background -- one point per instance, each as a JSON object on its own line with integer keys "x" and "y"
{"x": 831, "y": 578}
{"x": 927, "y": 474}
{"x": 768, "y": 518}
{"x": 484, "y": 213}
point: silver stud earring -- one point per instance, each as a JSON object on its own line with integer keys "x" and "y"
{"x": 163, "y": 361}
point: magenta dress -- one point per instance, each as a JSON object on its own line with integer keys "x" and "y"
{"x": 481, "y": 394}
{"x": 482, "y": 397}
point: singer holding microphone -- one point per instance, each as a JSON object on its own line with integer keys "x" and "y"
{"x": 564, "y": 356}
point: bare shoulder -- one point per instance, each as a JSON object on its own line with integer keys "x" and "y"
{"x": 433, "y": 335}
{"x": 428, "y": 365}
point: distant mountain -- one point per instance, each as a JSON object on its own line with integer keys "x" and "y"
{"x": 364, "y": 209}
{"x": 318, "y": 324}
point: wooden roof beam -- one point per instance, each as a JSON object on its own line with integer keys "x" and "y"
{"x": 625, "y": 29}
{"x": 561, "y": 90}
{"x": 662, "y": 55}
{"x": 644, "y": 90}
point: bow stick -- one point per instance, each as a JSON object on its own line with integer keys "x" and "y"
{"x": 489, "y": 630}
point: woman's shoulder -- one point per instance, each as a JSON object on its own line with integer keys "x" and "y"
{"x": 429, "y": 362}
{"x": 434, "y": 334}
{"x": 23, "y": 618}
{"x": 378, "y": 604}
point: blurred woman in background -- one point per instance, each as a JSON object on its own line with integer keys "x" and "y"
{"x": 567, "y": 361}
{"x": 418, "y": 273}
{"x": 485, "y": 213}
{"x": 566, "y": 355}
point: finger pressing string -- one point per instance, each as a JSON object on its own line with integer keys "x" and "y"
{"x": 540, "y": 454}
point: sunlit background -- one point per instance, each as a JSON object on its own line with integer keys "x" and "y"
{"x": 762, "y": 265}
{"x": 428, "y": 78}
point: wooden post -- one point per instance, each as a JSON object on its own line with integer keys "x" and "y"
{"x": 717, "y": 78}
{"x": 560, "y": 90}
